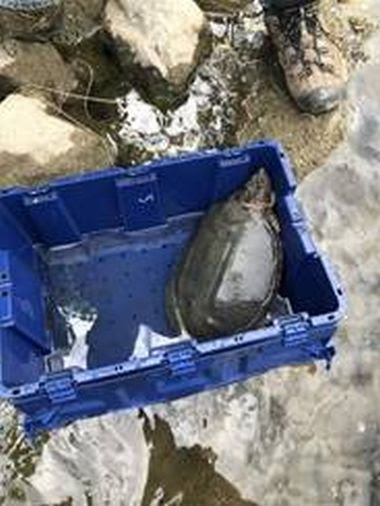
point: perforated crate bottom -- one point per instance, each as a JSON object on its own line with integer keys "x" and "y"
{"x": 117, "y": 281}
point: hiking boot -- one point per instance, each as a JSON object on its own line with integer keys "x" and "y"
{"x": 314, "y": 68}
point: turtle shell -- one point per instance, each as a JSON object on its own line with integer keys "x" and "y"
{"x": 230, "y": 273}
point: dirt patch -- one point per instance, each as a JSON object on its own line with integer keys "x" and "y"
{"x": 271, "y": 113}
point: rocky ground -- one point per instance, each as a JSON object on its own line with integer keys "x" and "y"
{"x": 117, "y": 86}
{"x": 157, "y": 79}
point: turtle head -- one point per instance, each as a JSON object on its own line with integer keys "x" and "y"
{"x": 258, "y": 190}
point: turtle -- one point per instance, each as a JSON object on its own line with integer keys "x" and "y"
{"x": 231, "y": 271}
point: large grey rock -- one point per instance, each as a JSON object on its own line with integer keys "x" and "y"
{"x": 30, "y": 20}
{"x": 158, "y": 43}
{"x": 36, "y": 143}
{"x": 36, "y": 65}
{"x": 104, "y": 460}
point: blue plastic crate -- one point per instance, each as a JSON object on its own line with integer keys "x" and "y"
{"x": 106, "y": 243}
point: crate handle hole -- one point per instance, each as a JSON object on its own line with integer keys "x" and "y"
{"x": 16, "y": 391}
{"x": 339, "y": 291}
{"x": 331, "y": 317}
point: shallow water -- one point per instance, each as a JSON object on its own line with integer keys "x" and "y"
{"x": 292, "y": 437}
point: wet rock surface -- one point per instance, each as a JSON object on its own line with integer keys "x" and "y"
{"x": 98, "y": 461}
{"x": 206, "y": 118}
{"x": 36, "y": 143}
{"x": 184, "y": 487}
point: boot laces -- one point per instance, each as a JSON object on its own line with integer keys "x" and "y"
{"x": 292, "y": 24}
